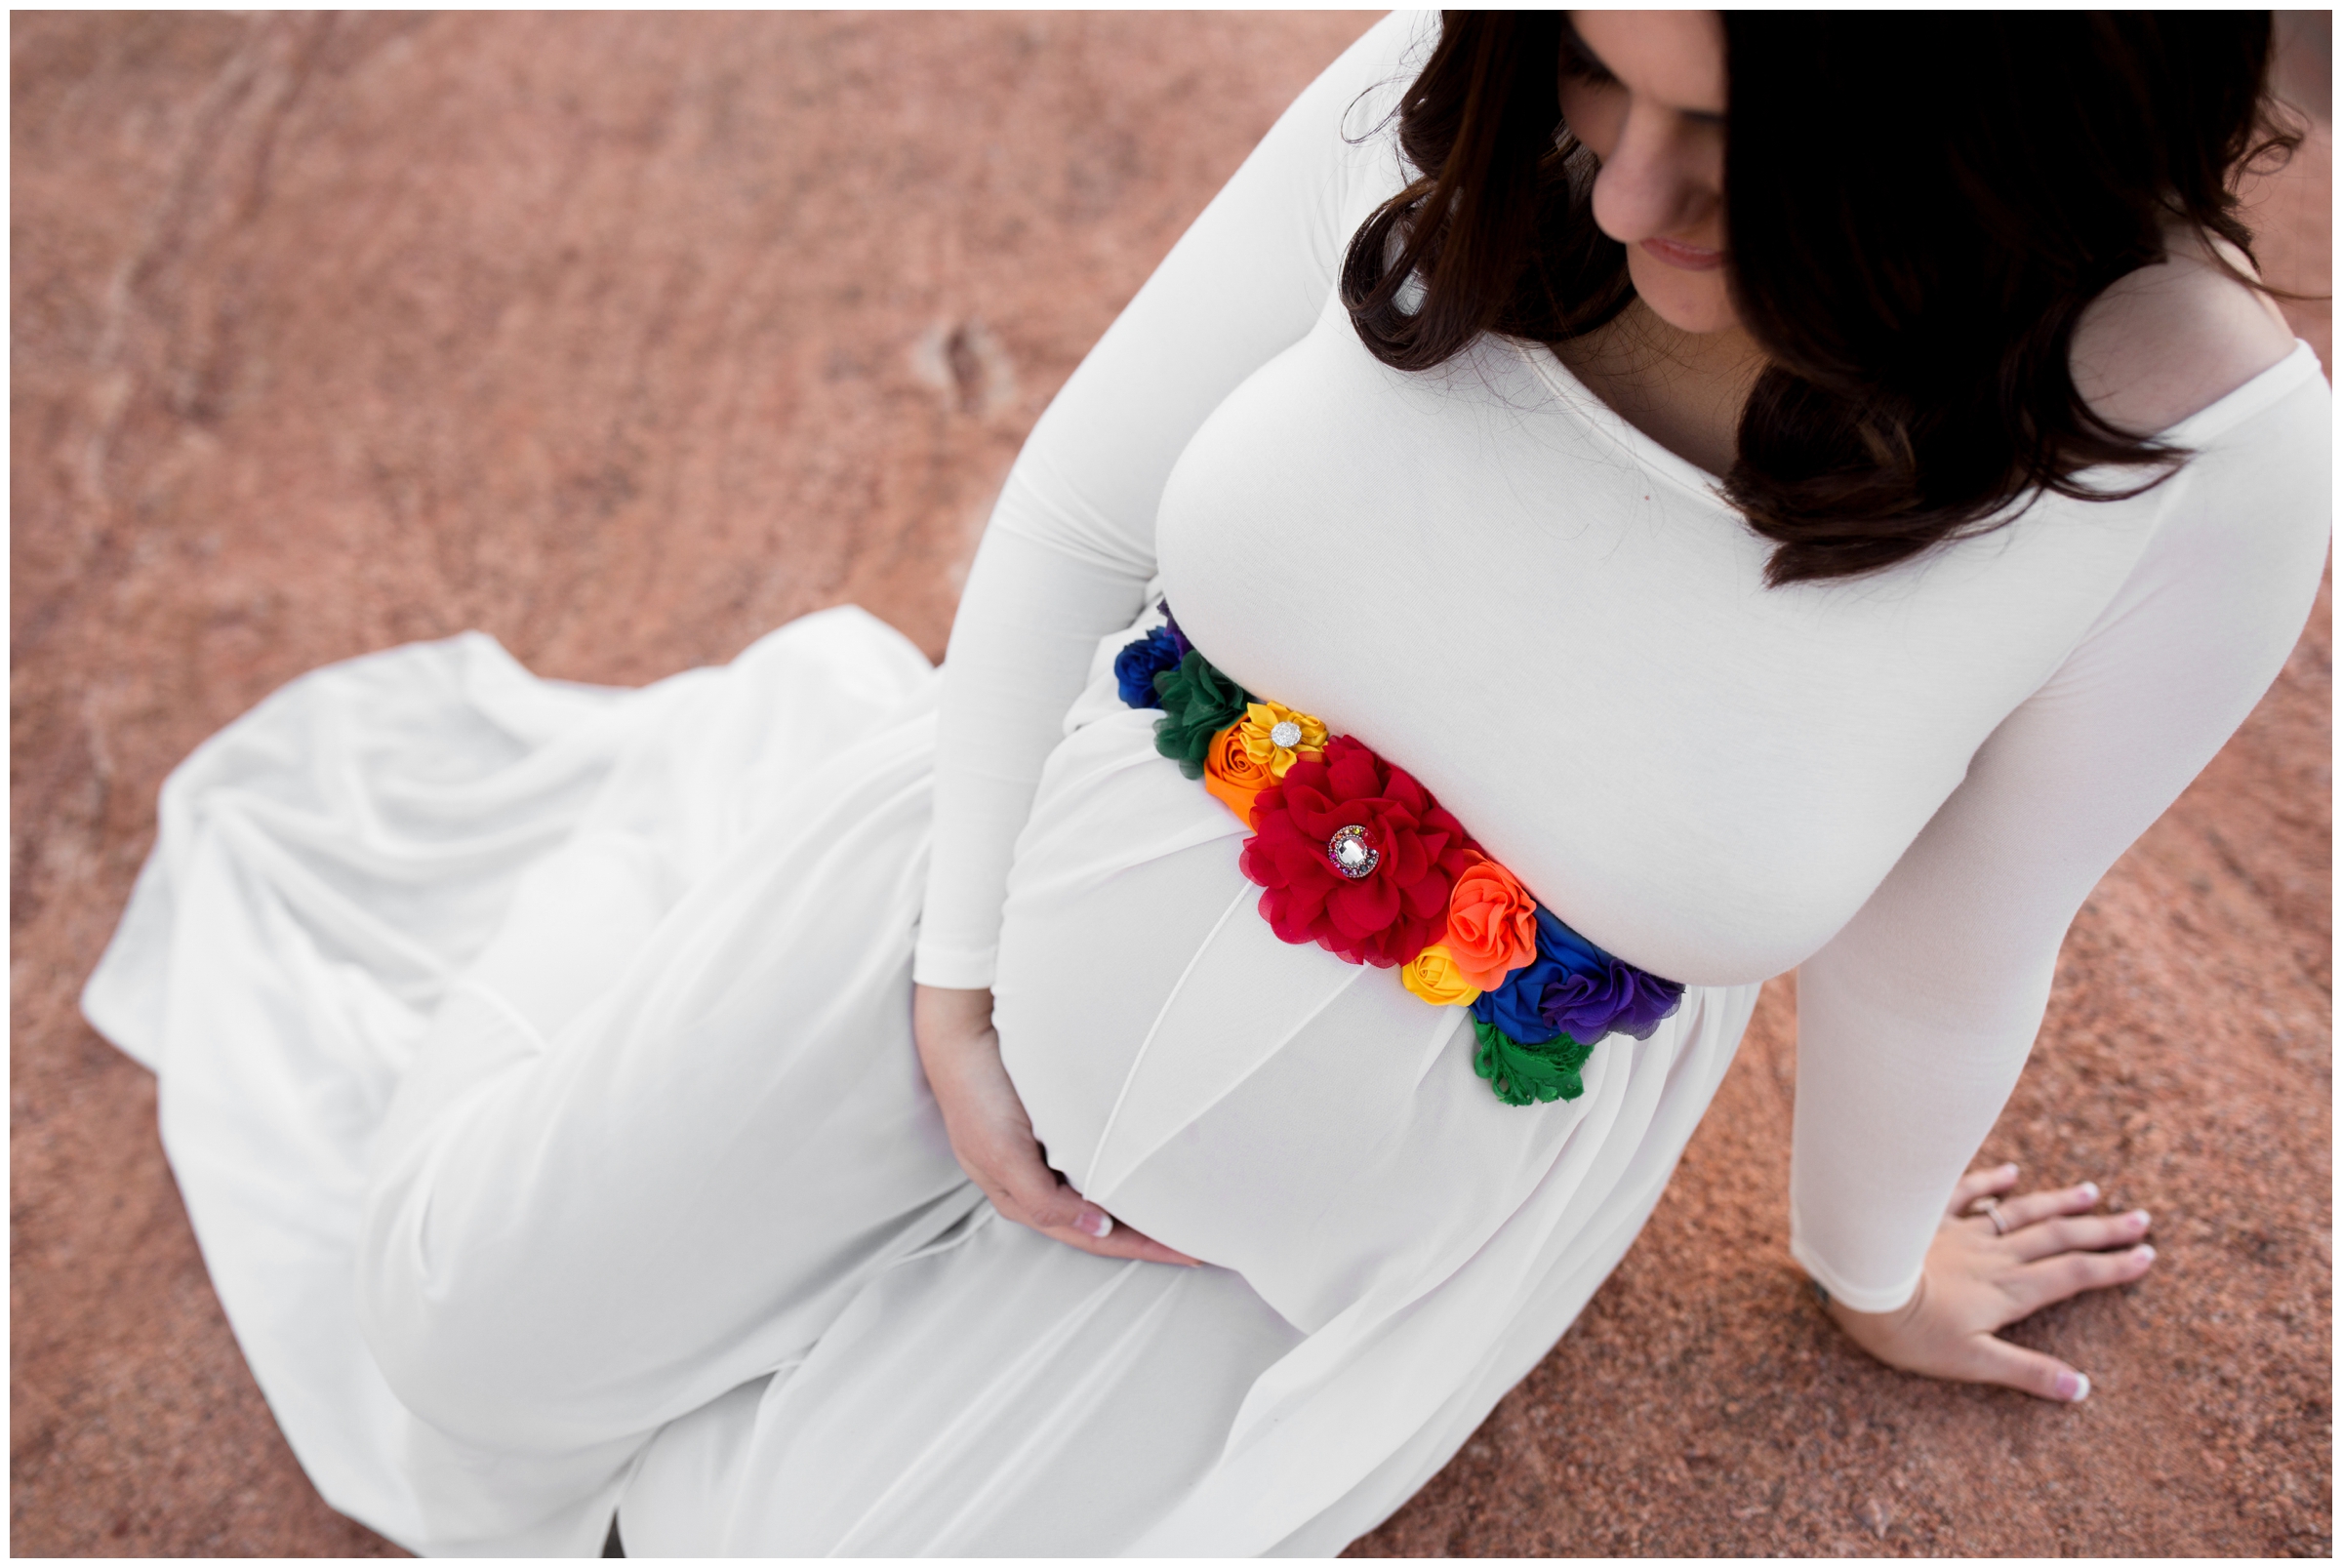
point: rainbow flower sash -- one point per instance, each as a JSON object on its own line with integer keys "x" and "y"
{"x": 1352, "y": 854}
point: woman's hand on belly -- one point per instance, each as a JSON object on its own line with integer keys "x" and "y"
{"x": 992, "y": 1135}
{"x": 1985, "y": 1270}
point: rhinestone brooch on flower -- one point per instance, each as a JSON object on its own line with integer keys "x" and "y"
{"x": 1350, "y": 854}
{"x": 1287, "y": 734}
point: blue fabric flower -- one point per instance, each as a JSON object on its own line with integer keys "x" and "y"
{"x": 1512, "y": 1006}
{"x": 1574, "y": 989}
{"x": 1140, "y": 661}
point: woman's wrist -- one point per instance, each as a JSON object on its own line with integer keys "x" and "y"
{"x": 946, "y": 1021}
{"x": 1862, "y": 1326}
{"x": 946, "y": 1003}
{"x": 1838, "y": 1307}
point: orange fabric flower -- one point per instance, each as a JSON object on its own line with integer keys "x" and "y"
{"x": 1491, "y": 925}
{"x": 1230, "y": 772}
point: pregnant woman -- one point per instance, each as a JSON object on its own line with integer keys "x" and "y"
{"x": 1644, "y": 502}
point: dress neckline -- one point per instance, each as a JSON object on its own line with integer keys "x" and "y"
{"x": 2223, "y": 413}
{"x": 1564, "y": 384}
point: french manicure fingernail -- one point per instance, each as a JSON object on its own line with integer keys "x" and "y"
{"x": 2144, "y": 1252}
{"x": 2073, "y": 1387}
{"x": 2088, "y": 1190}
{"x": 1095, "y": 1224}
{"x": 2138, "y": 1217}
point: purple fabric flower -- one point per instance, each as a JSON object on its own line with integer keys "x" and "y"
{"x": 1593, "y": 993}
{"x": 1140, "y": 661}
{"x": 1179, "y": 638}
{"x": 1574, "y": 989}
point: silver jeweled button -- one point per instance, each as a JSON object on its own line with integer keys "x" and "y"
{"x": 1350, "y": 854}
{"x": 1287, "y": 734}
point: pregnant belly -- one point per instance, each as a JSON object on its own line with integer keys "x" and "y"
{"x": 1265, "y": 1107}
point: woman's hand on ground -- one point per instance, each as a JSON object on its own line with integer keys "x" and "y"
{"x": 993, "y": 1137}
{"x": 1981, "y": 1276}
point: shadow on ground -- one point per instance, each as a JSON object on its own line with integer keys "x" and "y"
{"x": 628, "y": 338}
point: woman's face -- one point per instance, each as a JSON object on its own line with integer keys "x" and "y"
{"x": 1645, "y": 90}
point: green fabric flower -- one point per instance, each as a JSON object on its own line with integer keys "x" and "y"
{"x": 1197, "y": 703}
{"x": 1528, "y": 1074}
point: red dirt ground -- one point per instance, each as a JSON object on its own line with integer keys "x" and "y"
{"x": 627, "y": 337}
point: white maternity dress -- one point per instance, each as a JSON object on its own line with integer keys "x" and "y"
{"x": 536, "y": 1060}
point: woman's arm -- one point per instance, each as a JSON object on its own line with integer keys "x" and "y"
{"x": 1071, "y": 551}
{"x": 1071, "y": 546}
{"x": 1916, "y": 1019}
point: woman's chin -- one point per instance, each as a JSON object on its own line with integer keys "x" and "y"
{"x": 1697, "y": 303}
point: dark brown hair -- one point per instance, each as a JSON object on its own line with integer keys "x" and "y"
{"x": 1919, "y": 204}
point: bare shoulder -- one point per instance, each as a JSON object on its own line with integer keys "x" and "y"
{"x": 2170, "y": 340}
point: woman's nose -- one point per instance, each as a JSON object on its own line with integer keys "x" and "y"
{"x": 1651, "y": 185}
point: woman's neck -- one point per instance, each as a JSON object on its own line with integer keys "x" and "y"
{"x": 1684, "y": 390}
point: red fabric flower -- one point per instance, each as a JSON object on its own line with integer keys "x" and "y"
{"x": 1393, "y": 911}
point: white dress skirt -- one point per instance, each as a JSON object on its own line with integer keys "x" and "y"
{"x": 536, "y": 1064}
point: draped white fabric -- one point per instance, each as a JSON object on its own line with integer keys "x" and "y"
{"x": 494, "y": 1202}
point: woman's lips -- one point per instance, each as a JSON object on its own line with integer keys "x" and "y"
{"x": 1690, "y": 258}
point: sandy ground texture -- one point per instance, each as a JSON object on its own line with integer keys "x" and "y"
{"x": 630, "y": 338}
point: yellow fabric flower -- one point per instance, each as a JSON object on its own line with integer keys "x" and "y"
{"x": 1433, "y": 976}
{"x": 1301, "y": 737}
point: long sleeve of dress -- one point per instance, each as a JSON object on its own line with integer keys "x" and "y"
{"x": 1070, "y": 548}
{"x": 1916, "y": 1017}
